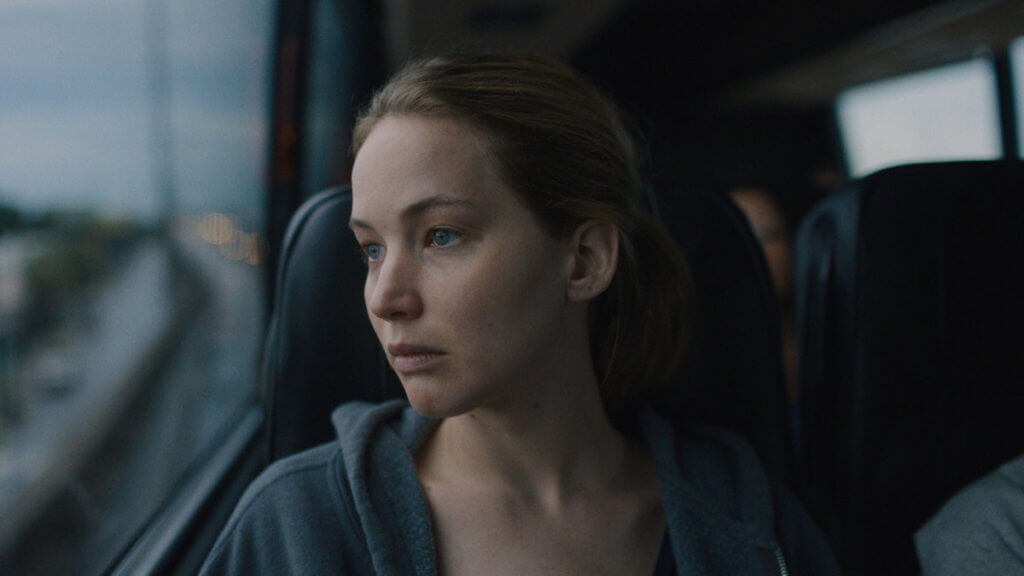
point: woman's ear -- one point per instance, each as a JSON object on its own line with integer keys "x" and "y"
{"x": 595, "y": 245}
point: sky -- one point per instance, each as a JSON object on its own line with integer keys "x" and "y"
{"x": 75, "y": 117}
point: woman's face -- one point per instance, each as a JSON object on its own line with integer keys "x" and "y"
{"x": 465, "y": 290}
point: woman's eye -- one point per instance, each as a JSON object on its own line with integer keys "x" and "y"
{"x": 372, "y": 252}
{"x": 443, "y": 236}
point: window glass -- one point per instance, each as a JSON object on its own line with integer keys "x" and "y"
{"x": 1017, "y": 71}
{"x": 131, "y": 260}
{"x": 948, "y": 113}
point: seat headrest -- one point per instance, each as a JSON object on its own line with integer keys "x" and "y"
{"x": 321, "y": 350}
{"x": 737, "y": 367}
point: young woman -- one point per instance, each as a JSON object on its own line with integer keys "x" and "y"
{"x": 526, "y": 302}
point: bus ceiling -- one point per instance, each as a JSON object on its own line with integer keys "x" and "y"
{"x": 740, "y": 52}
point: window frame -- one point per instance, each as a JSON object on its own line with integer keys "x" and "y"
{"x": 178, "y": 537}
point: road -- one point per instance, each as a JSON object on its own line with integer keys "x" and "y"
{"x": 141, "y": 430}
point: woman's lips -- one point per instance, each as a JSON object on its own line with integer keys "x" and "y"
{"x": 410, "y": 358}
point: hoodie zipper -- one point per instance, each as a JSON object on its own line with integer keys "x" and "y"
{"x": 783, "y": 570}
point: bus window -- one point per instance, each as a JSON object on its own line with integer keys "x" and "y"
{"x": 948, "y": 113}
{"x": 1016, "y": 51}
{"x": 132, "y": 258}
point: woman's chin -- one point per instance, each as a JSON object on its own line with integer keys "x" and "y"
{"x": 436, "y": 410}
{"x": 430, "y": 402}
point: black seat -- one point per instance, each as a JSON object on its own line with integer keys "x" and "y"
{"x": 321, "y": 350}
{"x": 909, "y": 310}
{"x": 737, "y": 367}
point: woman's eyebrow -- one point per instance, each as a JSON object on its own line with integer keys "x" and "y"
{"x": 416, "y": 209}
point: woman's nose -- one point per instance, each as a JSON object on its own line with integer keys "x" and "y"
{"x": 392, "y": 293}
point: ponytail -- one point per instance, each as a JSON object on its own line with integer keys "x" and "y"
{"x": 641, "y": 327}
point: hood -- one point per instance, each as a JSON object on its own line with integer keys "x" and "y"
{"x": 377, "y": 442}
{"x": 717, "y": 498}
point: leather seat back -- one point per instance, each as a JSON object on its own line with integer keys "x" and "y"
{"x": 909, "y": 311}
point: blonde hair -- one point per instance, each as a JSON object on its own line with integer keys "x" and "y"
{"x": 563, "y": 146}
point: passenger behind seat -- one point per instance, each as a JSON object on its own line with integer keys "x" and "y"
{"x": 774, "y": 233}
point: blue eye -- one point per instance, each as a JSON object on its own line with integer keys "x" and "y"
{"x": 372, "y": 252}
{"x": 443, "y": 236}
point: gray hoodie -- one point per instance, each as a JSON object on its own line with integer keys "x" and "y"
{"x": 980, "y": 531}
{"x": 356, "y": 507}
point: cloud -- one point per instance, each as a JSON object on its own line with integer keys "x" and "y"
{"x": 75, "y": 119}
{"x": 99, "y": 158}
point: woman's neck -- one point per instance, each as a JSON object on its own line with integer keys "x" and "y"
{"x": 545, "y": 450}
